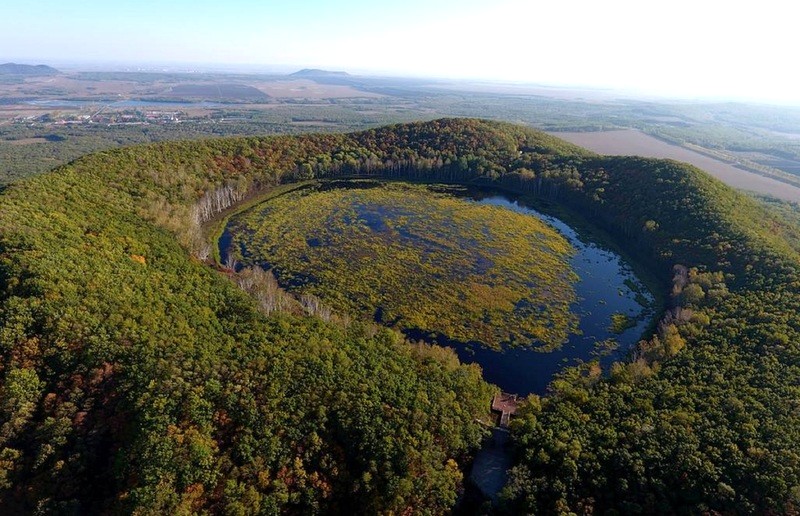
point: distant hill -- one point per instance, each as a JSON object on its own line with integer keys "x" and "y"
{"x": 24, "y": 69}
{"x": 314, "y": 72}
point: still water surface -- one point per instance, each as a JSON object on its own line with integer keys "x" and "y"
{"x": 606, "y": 285}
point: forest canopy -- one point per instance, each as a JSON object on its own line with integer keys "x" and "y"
{"x": 137, "y": 378}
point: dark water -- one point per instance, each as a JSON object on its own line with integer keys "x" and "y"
{"x": 606, "y": 285}
{"x": 603, "y": 288}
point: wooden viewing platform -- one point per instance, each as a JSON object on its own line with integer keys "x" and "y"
{"x": 506, "y": 404}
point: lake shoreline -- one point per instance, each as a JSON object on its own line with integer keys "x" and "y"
{"x": 602, "y": 245}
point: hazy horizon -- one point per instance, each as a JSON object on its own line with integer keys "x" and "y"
{"x": 679, "y": 50}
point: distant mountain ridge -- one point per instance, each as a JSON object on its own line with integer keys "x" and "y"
{"x": 315, "y": 72}
{"x": 25, "y": 69}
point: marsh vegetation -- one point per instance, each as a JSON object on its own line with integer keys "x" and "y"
{"x": 138, "y": 380}
{"x": 466, "y": 267}
{"x": 417, "y": 258}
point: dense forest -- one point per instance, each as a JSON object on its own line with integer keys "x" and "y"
{"x": 135, "y": 377}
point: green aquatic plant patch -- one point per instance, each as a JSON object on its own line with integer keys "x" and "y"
{"x": 621, "y": 322}
{"x": 417, "y": 258}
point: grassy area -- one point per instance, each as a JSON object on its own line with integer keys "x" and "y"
{"x": 417, "y": 257}
{"x": 621, "y": 322}
{"x": 216, "y": 226}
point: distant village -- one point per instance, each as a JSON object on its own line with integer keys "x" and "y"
{"x": 111, "y": 118}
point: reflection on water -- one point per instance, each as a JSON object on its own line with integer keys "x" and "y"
{"x": 607, "y": 285}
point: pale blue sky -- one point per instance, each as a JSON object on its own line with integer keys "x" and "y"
{"x": 676, "y": 47}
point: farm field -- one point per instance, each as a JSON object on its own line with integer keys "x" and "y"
{"x": 48, "y": 121}
{"x": 122, "y": 316}
{"x": 309, "y": 89}
{"x": 413, "y": 258}
{"x": 631, "y": 142}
